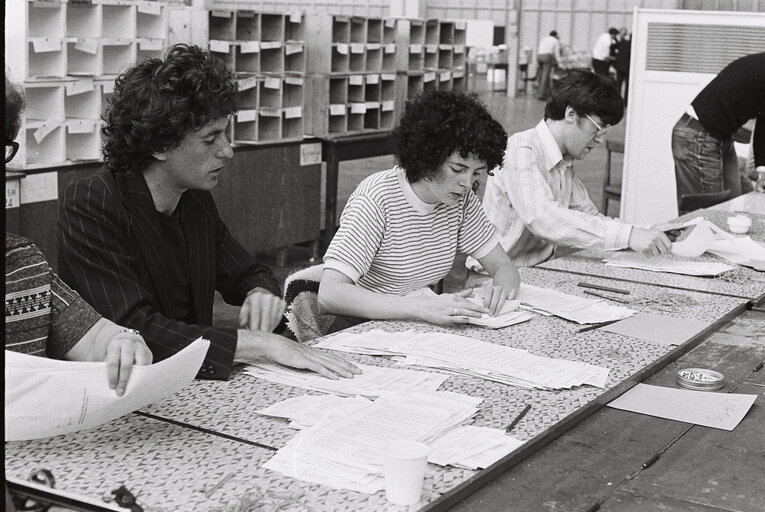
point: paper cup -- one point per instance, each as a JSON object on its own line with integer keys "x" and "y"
{"x": 404, "y": 465}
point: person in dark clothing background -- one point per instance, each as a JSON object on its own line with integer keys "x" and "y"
{"x": 702, "y": 140}
{"x": 621, "y": 63}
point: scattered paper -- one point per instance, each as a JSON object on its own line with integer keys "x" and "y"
{"x": 716, "y": 410}
{"x": 571, "y": 307}
{"x": 665, "y": 264}
{"x": 699, "y": 239}
{"x": 661, "y": 329}
{"x": 47, "y": 397}
{"x": 373, "y": 381}
{"x": 471, "y": 447}
{"x": 308, "y": 410}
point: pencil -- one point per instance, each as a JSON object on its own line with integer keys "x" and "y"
{"x": 588, "y": 292}
{"x": 518, "y": 418}
{"x": 596, "y": 326}
{"x": 604, "y": 288}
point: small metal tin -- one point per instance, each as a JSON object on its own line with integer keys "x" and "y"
{"x": 700, "y": 379}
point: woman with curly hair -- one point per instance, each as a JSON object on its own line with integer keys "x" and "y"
{"x": 401, "y": 228}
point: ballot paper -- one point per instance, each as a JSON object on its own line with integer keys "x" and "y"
{"x": 373, "y": 380}
{"x": 698, "y": 240}
{"x": 308, "y": 410}
{"x": 465, "y": 355}
{"x": 665, "y": 264}
{"x": 716, "y": 410}
{"x": 656, "y": 328}
{"x": 347, "y": 452}
{"x": 471, "y": 447}
{"x": 47, "y": 397}
{"x": 571, "y": 307}
{"x": 507, "y": 317}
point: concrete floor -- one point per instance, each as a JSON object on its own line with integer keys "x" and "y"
{"x": 515, "y": 114}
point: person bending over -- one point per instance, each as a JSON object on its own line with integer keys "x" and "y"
{"x": 402, "y": 227}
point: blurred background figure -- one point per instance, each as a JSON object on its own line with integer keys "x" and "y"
{"x": 621, "y": 63}
{"x": 601, "y": 52}
{"x": 548, "y": 56}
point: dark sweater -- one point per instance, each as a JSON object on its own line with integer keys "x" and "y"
{"x": 734, "y": 96}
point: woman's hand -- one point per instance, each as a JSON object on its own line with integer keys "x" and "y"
{"x": 450, "y": 308}
{"x": 124, "y": 350}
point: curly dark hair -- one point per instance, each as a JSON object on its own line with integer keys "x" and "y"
{"x": 14, "y": 105}
{"x": 157, "y": 102}
{"x": 438, "y": 123}
{"x": 586, "y": 93}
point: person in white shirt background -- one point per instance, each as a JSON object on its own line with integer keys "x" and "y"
{"x": 601, "y": 52}
{"x": 548, "y": 56}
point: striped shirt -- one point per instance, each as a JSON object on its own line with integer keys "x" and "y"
{"x": 535, "y": 202}
{"x": 392, "y": 242}
{"x": 43, "y": 316}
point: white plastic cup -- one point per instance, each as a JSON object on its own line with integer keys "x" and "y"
{"x": 404, "y": 465}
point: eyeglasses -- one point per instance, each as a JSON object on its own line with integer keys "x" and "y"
{"x": 10, "y": 150}
{"x": 602, "y": 130}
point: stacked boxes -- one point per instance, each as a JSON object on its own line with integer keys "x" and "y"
{"x": 352, "y": 62}
{"x": 66, "y": 55}
{"x": 267, "y": 53}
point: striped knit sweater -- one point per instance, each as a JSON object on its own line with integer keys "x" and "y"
{"x": 43, "y": 316}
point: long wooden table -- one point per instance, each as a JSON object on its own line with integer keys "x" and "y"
{"x": 181, "y": 453}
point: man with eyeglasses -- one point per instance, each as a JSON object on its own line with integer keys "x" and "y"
{"x": 535, "y": 200}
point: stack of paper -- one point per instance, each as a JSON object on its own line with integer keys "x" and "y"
{"x": 372, "y": 382}
{"x": 346, "y": 452}
{"x": 665, "y": 264}
{"x": 308, "y": 410}
{"x": 471, "y": 447}
{"x": 571, "y": 307}
{"x": 507, "y": 317}
{"x": 46, "y": 397}
{"x": 472, "y": 357}
{"x": 705, "y": 236}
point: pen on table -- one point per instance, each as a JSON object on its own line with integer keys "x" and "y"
{"x": 588, "y": 292}
{"x": 758, "y": 367}
{"x": 596, "y": 326}
{"x": 603, "y": 288}
{"x": 518, "y": 418}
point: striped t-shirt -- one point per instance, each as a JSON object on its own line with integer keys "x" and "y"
{"x": 43, "y": 316}
{"x": 392, "y": 242}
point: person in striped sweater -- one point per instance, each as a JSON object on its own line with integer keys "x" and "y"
{"x": 43, "y": 316}
{"x": 401, "y": 228}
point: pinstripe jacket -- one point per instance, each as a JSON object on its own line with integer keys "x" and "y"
{"x": 110, "y": 250}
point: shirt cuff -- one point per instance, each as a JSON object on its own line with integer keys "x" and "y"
{"x": 617, "y": 235}
{"x": 486, "y": 248}
{"x": 344, "y": 268}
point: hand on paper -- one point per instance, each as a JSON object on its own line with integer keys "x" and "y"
{"x": 650, "y": 241}
{"x": 671, "y": 229}
{"x": 450, "y": 308}
{"x": 261, "y": 311}
{"x": 122, "y": 352}
{"x": 290, "y": 353}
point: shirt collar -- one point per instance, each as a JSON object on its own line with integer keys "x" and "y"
{"x": 406, "y": 187}
{"x": 550, "y": 148}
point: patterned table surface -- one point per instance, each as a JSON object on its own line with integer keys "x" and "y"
{"x": 742, "y": 282}
{"x": 148, "y": 448}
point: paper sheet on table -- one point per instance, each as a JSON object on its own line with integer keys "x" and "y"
{"x": 656, "y": 328}
{"x": 508, "y": 316}
{"x": 716, "y": 410}
{"x": 664, "y": 264}
{"x": 699, "y": 239}
{"x": 571, "y": 307}
{"x": 471, "y": 447}
{"x": 308, "y": 410}
{"x": 45, "y": 397}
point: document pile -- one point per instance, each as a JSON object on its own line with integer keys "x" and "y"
{"x": 472, "y": 357}
{"x": 571, "y": 307}
{"x": 372, "y": 382}
{"x": 666, "y": 264}
{"x": 47, "y": 397}
{"x": 507, "y": 317}
{"x": 346, "y": 451}
{"x": 308, "y": 410}
{"x": 471, "y": 447}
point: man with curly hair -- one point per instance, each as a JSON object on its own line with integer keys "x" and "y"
{"x": 401, "y": 228}
{"x": 142, "y": 240}
{"x": 536, "y": 202}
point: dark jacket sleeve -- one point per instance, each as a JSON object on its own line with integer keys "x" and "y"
{"x": 758, "y": 141}
{"x": 100, "y": 258}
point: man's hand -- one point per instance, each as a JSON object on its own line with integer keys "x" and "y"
{"x": 261, "y": 311}
{"x": 253, "y": 345}
{"x": 122, "y": 351}
{"x": 650, "y": 241}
